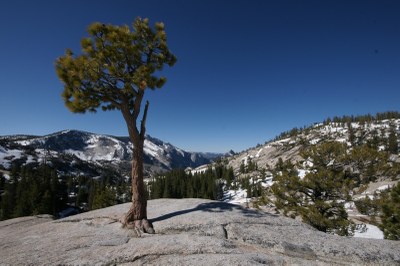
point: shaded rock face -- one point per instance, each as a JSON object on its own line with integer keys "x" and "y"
{"x": 188, "y": 232}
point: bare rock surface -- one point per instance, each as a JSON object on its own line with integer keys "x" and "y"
{"x": 188, "y": 232}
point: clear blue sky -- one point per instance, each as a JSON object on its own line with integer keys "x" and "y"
{"x": 246, "y": 70}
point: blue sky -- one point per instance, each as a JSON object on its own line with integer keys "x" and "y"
{"x": 246, "y": 70}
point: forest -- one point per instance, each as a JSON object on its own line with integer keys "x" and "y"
{"x": 33, "y": 190}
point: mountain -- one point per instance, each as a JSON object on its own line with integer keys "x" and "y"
{"x": 353, "y": 132}
{"x": 349, "y": 164}
{"x": 78, "y": 152}
{"x": 352, "y": 158}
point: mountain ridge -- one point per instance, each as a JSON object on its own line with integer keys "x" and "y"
{"x": 96, "y": 148}
{"x": 289, "y": 143}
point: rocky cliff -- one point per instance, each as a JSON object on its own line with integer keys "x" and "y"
{"x": 188, "y": 232}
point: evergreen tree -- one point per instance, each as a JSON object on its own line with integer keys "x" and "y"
{"x": 391, "y": 214}
{"x": 2, "y": 182}
{"x": 393, "y": 146}
{"x": 5, "y": 206}
{"x": 104, "y": 196}
{"x": 23, "y": 206}
{"x": 178, "y": 184}
{"x": 117, "y": 66}
{"x": 167, "y": 188}
{"x": 46, "y": 203}
{"x": 81, "y": 197}
{"x": 249, "y": 189}
{"x": 242, "y": 168}
{"x": 319, "y": 197}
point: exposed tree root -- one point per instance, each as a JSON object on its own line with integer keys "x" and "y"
{"x": 139, "y": 226}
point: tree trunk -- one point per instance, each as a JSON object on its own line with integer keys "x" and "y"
{"x": 136, "y": 217}
{"x": 139, "y": 201}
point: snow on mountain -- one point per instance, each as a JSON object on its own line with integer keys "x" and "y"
{"x": 96, "y": 149}
{"x": 289, "y": 145}
{"x": 7, "y": 155}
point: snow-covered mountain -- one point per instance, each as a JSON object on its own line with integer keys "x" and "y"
{"x": 86, "y": 150}
{"x": 379, "y": 135}
{"x": 289, "y": 144}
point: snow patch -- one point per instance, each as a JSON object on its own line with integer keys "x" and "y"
{"x": 371, "y": 231}
{"x": 199, "y": 170}
{"x": 238, "y": 196}
{"x": 301, "y": 173}
{"x": 6, "y": 176}
{"x": 151, "y": 149}
{"x": 7, "y": 155}
{"x": 384, "y": 187}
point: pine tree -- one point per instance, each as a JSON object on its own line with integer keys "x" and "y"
{"x": 103, "y": 197}
{"x": 117, "y": 66}
{"x": 391, "y": 214}
{"x": 393, "y": 146}
{"x": 351, "y": 133}
{"x": 319, "y": 197}
{"x": 6, "y": 208}
{"x": 46, "y": 203}
{"x": 2, "y": 182}
{"x": 167, "y": 188}
{"x": 242, "y": 168}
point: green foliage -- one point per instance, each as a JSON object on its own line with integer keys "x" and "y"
{"x": 39, "y": 190}
{"x": 368, "y": 164}
{"x": 32, "y": 191}
{"x": 249, "y": 167}
{"x": 393, "y": 146}
{"x": 117, "y": 64}
{"x": 385, "y": 205}
{"x": 344, "y": 120}
{"x": 326, "y": 154}
{"x": 367, "y": 206}
{"x": 352, "y": 136}
{"x": 364, "y": 118}
{"x": 2, "y": 181}
{"x": 319, "y": 197}
{"x": 179, "y": 184}
{"x": 390, "y": 214}
{"x": 103, "y": 196}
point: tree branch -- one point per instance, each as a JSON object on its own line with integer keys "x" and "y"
{"x": 137, "y": 103}
{"x": 143, "y": 123}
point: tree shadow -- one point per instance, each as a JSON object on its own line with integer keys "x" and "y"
{"x": 215, "y": 207}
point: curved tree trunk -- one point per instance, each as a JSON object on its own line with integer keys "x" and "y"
{"x": 136, "y": 217}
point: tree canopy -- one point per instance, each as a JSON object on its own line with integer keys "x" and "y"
{"x": 116, "y": 65}
{"x": 115, "y": 68}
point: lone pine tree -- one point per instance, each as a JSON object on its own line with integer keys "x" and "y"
{"x": 117, "y": 65}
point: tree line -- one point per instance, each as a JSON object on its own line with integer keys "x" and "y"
{"x": 181, "y": 184}
{"x": 40, "y": 190}
{"x": 345, "y": 120}
{"x": 31, "y": 191}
